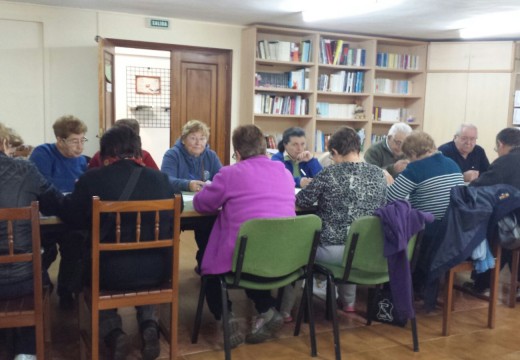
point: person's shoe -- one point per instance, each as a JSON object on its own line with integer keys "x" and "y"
{"x": 118, "y": 344}
{"x": 25, "y": 357}
{"x": 151, "y": 346}
{"x": 287, "y": 318}
{"x": 470, "y": 286}
{"x": 349, "y": 309}
{"x": 66, "y": 301}
{"x": 264, "y": 326}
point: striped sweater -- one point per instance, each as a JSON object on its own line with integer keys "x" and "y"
{"x": 427, "y": 184}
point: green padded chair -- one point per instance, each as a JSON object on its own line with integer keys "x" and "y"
{"x": 281, "y": 249}
{"x": 363, "y": 264}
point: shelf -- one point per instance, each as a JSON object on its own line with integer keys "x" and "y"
{"x": 342, "y": 120}
{"x": 336, "y": 93}
{"x": 284, "y": 116}
{"x": 282, "y": 90}
{"x": 266, "y": 62}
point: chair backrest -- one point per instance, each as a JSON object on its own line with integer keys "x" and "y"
{"x": 364, "y": 247}
{"x": 8, "y": 220}
{"x": 276, "y": 247}
{"x": 140, "y": 213}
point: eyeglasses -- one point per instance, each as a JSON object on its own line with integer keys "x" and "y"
{"x": 468, "y": 139}
{"x": 397, "y": 142}
{"x": 234, "y": 156}
{"x": 75, "y": 142}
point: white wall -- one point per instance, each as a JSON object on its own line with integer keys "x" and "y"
{"x": 69, "y": 62}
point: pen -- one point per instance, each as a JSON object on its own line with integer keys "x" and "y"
{"x": 303, "y": 172}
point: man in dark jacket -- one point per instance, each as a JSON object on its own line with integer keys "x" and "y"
{"x": 121, "y": 155}
{"x": 20, "y": 184}
{"x": 504, "y": 170}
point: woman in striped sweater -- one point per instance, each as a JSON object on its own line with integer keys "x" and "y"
{"x": 426, "y": 183}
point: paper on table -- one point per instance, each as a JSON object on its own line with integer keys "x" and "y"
{"x": 187, "y": 197}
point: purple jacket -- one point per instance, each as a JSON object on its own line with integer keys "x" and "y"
{"x": 400, "y": 221}
{"x": 253, "y": 188}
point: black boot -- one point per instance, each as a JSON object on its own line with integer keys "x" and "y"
{"x": 118, "y": 344}
{"x": 151, "y": 347}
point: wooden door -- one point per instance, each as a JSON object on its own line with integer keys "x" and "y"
{"x": 201, "y": 89}
{"x": 106, "y": 84}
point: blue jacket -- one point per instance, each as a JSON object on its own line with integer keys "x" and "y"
{"x": 311, "y": 168}
{"x": 181, "y": 167}
{"x": 400, "y": 222}
{"x": 472, "y": 216}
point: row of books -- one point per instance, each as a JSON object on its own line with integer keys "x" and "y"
{"x": 390, "y": 86}
{"x": 338, "y": 52}
{"x": 322, "y": 140}
{"x": 284, "y": 50}
{"x": 280, "y": 105}
{"x": 271, "y": 142}
{"x": 339, "y": 111}
{"x": 342, "y": 81}
{"x": 377, "y": 138}
{"x": 297, "y": 79}
{"x": 397, "y": 61}
{"x": 389, "y": 114}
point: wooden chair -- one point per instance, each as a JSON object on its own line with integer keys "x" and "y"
{"x": 34, "y": 309}
{"x": 447, "y": 306}
{"x": 96, "y": 299}
{"x": 513, "y": 283}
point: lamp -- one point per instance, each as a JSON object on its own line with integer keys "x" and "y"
{"x": 488, "y": 25}
{"x": 331, "y": 9}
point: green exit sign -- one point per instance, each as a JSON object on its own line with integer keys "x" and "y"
{"x": 159, "y": 23}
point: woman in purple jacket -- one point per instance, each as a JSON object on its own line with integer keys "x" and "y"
{"x": 242, "y": 194}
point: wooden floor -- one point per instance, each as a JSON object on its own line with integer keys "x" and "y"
{"x": 470, "y": 338}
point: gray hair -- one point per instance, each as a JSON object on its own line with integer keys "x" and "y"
{"x": 461, "y": 128}
{"x": 400, "y": 128}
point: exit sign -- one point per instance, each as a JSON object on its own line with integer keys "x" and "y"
{"x": 159, "y": 23}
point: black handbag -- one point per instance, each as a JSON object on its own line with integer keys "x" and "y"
{"x": 381, "y": 307}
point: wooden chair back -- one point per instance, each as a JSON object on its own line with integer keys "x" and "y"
{"x": 98, "y": 299}
{"x": 25, "y": 310}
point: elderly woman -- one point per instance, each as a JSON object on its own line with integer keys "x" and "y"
{"x": 242, "y": 195}
{"x": 121, "y": 151}
{"x": 429, "y": 177}
{"x": 426, "y": 182}
{"x": 20, "y": 184}
{"x": 190, "y": 162}
{"x": 62, "y": 163}
{"x": 299, "y": 161}
{"x": 344, "y": 192}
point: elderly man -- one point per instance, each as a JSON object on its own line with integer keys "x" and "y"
{"x": 387, "y": 154}
{"x": 504, "y": 170}
{"x": 464, "y": 150}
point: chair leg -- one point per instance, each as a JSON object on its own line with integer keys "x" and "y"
{"x": 312, "y": 331}
{"x": 174, "y": 326}
{"x": 200, "y": 307}
{"x": 448, "y": 300}
{"x": 40, "y": 342}
{"x": 515, "y": 254}
{"x": 225, "y": 320}
{"x": 415, "y": 337}
{"x": 301, "y": 308}
{"x": 493, "y": 288}
{"x": 94, "y": 340}
{"x": 331, "y": 294}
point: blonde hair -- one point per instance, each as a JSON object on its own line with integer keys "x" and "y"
{"x": 10, "y": 136}
{"x": 194, "y": 126}
{"x": 417, "y": 144}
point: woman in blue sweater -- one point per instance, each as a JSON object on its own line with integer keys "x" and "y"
{"x": 299, "y": 161}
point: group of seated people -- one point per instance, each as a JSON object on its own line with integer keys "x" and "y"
{"x": 406, "y": 165}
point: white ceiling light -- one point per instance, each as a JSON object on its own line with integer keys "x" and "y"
{"x": 331, "y": 9}
{"x": 490, "y": 25}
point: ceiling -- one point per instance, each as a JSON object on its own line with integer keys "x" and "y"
{"x": 416, "y": 19}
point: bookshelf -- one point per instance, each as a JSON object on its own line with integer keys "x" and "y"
{"x": 514, "y": 116}
{"x": 342, "y": 79}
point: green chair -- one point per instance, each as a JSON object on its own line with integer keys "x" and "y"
{"x": 363, "y": 264}
{"x": 280, "y": 249}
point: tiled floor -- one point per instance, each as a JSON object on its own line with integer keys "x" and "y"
{"x": 470, "y": 338}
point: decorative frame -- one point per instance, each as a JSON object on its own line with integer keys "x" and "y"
{"x": 147, "y": 85}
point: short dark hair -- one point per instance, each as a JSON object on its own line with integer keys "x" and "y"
{"x": 248, "y": 141}
{"x": 121, "y": 142}
{"x": 345, "y": 140}
{"x": 509, "y": 136}
{"x": 287, "y": 134}
{"x": 417, "y": 144}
